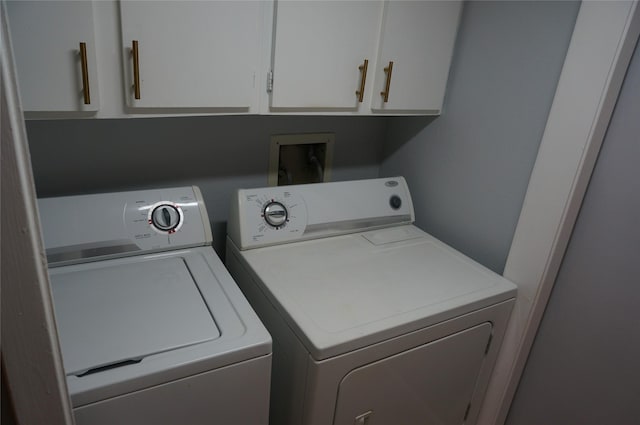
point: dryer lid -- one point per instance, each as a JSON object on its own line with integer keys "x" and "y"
{"x": 117, "y": 314}
{"x": 342, "y": 293}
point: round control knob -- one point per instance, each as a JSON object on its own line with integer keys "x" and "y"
{"x": 275, "y": 214}
{"x": 166, "y": 217}
{"x": 395, "y": 202}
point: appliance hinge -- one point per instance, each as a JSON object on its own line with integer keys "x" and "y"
{"x": 486, "y": 350}
{"x": 269, "y": 81}
{"x": 466, "y": 414}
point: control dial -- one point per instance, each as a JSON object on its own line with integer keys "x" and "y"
{"x": 275, "y": 214}
{"x": 165, "y": 217}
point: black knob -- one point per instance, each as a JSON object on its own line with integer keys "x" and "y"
{"x": 395, "y": 202}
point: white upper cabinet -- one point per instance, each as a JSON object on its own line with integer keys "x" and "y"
{"x": 55, "y": 55}
{"x": 318, "y": 51}
{"x": 192, "y": 54}
{"x": 416, "y": 47}
{"x": 232, "y": 56}
{"x": 320, "y": 48}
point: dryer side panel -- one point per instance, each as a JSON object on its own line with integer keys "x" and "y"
{"x": 290, "y": 359}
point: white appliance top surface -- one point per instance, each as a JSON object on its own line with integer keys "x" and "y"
{"x": 345, "y": 292}
{"x": 180, "y": 313}
{"x": 111, "y": 314}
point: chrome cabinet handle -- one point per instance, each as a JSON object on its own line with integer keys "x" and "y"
{"x": 85, "y": 74}
{"x": 385, "y": 94}
{"x": 136, "y": 69}
{"x": 363, "y": 71}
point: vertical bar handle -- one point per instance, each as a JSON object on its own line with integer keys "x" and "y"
{"x": 85, "y": 74}
{"x": 136, "y": 69}
{"x": 388, "y": 70}
{"x": 363, "y": 71}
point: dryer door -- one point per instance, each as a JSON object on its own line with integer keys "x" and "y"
{"x": 431, "y": 384}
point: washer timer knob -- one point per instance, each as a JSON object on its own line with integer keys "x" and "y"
{"x": 275, "y": 214}
{"x": 165, "y": 217}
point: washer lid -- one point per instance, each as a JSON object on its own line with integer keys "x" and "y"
{"x": 114, "y": 315}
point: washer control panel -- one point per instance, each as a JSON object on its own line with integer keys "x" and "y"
{"x": 165, "y": 219}
{"x": 86, "y": 227}
{"x": 275, "y": 215}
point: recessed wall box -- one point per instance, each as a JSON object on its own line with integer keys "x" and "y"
{"x": 300, "y": 158}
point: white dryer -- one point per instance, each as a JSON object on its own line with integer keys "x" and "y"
{"x": 152, "y": 328}
{"x": 373, "y": 320}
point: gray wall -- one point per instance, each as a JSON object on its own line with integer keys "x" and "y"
{"x": 584, "y": 367}
{"x": 469, "y": 168}
{"x": 219, "y": 154}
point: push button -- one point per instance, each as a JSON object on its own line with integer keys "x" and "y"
{"x": 395, "y": 202}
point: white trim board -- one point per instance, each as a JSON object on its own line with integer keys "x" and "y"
{"x": 599, "y": 53}
{"x": 31, "y": 358}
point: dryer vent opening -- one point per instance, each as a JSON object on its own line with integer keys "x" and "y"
{"x": 300, "y": 158}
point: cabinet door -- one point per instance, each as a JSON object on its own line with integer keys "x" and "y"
{"x": 318, "y": 48}
{"x": 418, "y": 37}
{"x": 192, "y": 54}
{"x": 46, "y": 37}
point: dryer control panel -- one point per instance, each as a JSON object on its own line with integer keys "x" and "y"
{"x": 282, "y": 214}
{"x": 110, "y": 225}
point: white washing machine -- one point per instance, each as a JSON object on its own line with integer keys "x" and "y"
{"x": 373, "y": 320}
{"x": 152, "y": 327}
